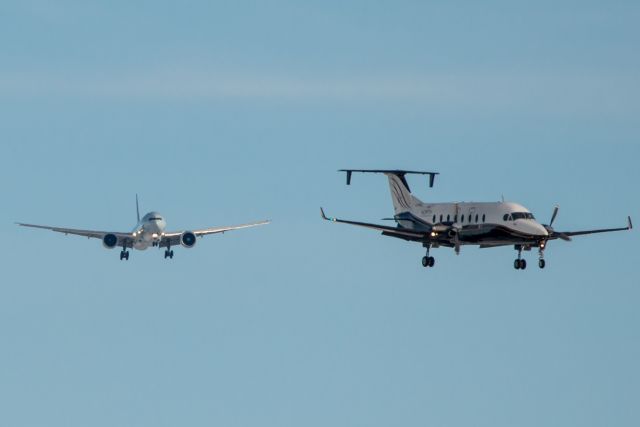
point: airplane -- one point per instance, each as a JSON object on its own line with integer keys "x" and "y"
{"x": 148, "y": 232}
{"x": 453, "y": 225}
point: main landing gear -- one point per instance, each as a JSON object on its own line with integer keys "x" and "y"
{"x": 428, "y": 261}
{"x": 124, "y": 254}
{"x": 519, "y": 263}
{"x": 168, "y": 253}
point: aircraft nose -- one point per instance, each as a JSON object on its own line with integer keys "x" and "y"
{"x": 539, "y": 230}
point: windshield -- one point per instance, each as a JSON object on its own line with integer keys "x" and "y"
{"x": 522, "y": 215}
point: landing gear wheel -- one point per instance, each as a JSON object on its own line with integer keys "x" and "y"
{"x": 541, "y": 263}
{"x": 523, "y": 264}
{"x": 425, "y": 261}
{"x": 124, "y": 255}
{"x": 432, "y": 261}
{"x": 516, "y": 264}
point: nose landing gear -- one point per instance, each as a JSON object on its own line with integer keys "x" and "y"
{"x": 124, "y": 254}
{"x": 541, "y": 262}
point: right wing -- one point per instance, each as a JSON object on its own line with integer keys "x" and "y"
{"x": 124, "y": 239}
{"x": 566, "y": 235}
{"x": 173, "y": 239}
{"x": 402, "y": 233}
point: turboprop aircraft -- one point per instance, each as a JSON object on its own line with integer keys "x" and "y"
{"x": 148, "y": 232}
{"x": 453, "y": 225}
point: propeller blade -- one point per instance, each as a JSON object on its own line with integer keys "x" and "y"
{"x": 564, "y": 237}
{"x": 553, "y": 216}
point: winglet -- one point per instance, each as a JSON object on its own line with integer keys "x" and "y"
{"x": 137, "y": 208}
{"x": 322, "y": 214}
{"x": 630, "y": 226}
{"x": 326, "y": 218}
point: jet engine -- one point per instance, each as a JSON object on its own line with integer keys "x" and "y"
{"x": 188, "y": 239}
{"x": 109, "y": 241}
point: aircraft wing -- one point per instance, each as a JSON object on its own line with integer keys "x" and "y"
{"x": 398, "y": 232}
{"x": 566, "y": 235}
{"x": 124, "y": 239}
{"x": 173, "y": 238}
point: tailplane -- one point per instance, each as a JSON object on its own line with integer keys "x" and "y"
{"x": 401, "y": 195}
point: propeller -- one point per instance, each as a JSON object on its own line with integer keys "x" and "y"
{"x": 550, "y": 229}
{"x": 553, "y": 216}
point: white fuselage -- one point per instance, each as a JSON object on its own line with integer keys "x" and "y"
{"x": 477, "y": 222}
{"x": 148, "y": 231}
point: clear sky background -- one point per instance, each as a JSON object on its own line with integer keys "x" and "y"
{"x": 226, "y": 112}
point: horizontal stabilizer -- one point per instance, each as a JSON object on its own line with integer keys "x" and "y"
{"x": 398, "y": 172}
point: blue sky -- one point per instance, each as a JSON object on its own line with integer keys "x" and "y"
{"x": 220, "y": 113}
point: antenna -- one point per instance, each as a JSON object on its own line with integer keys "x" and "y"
{"x": 137, "y": 208}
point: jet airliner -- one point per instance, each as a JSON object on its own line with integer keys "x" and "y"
{"x": 453, "y": 225}
{"x": 148, "y": 232}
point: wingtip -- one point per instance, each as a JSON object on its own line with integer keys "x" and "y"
{"x": 322, "y": 214}
{"x": 630, "y": 224}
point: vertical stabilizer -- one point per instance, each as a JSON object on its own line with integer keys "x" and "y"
{"x": 137, "y": 209}
{"x": 401, "y": 196}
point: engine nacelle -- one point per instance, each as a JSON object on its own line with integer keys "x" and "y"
{"x": 109, "y": 241}
{"x": 188, "y": 239}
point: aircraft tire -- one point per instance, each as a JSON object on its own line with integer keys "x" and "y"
{"x": 541, "y": 263}
{"x": 432, "y": 261}
{"x": 516, "y": 264}
{"x": 425, "y": 261}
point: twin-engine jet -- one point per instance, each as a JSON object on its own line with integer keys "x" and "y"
{"x": 486, "y": 224}
{"x": 148, "y": 232}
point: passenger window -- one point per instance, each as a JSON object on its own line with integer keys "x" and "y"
{"x": 484, "y": 217}
{"x": 440, "y": 217}
{"x": 448, "y": 218}
{"x": 434, "y": 218}
{"x": 476, "y": 217}
{"x": 462, "y": 219}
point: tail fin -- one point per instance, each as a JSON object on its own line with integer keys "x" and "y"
{"x": 401, "y": 196}
{"x": 137, "y": 209}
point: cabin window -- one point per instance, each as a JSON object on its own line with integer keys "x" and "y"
{"x": 462, "y": 219}
{"x": 455, "y": 218}
{"x": 448, "y": 218}
{"x": 434, "y": 218}
{"x": 476, "y": 217}
{"x": 440, "y": 217}
{"x": 484, "y": 218}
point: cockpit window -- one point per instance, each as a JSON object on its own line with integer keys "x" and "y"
{"x": 155, "y": 218}
{"x": 522, "y": 215}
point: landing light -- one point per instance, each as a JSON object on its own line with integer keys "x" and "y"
{"x": 434, "y": 234}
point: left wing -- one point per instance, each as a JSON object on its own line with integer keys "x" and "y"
{"x": 173, "y": 238}
{"x": 566, "y": 235}
{"x": 402, "y": 233}
{"x": 124, "y": 239}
